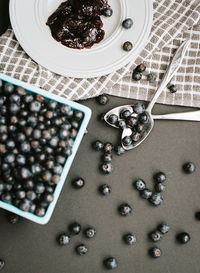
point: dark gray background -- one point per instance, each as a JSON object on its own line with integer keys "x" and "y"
{"x": 31, "y": 248}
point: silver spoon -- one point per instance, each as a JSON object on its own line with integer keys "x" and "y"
{"x": 172, "y": 69}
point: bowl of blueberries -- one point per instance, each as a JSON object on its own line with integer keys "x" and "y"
{"x": 39, "y": 136}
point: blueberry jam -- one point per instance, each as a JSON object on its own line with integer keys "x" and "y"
{"x": 77, "y": 23}
{"x": 39, "y": 134}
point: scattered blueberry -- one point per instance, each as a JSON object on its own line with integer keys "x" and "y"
{"x": 13, "y": 218}
{"x": 146, "y": 193}
{"x": 140, "y": 68}
{"x": 78, "y": 183}
{"x": 139, "y": 108}
{"x": 108, "y": 12}
{"x": 119, "y": 150}
{"x": 189, "y": 167}
{"x": 90, "y": 232}
{"x": 103, "y": 99}
{"x": 125, "y": 113}
{"x": 160, "y": 177}
{"x": 129, "y": 239}
{"x": 75, "y": 228}
{"x": 197, "y": 215}
{"x": 156, "y": 199}
{"x": 105, "y": 189}
{"x": 139, "y": 184}
{"x": 106, "y": 167}
{"x": 2, "y": 264}
{"x": 155, "y": 252}
{"x": 108, "y": 147}
{"x": 121, "y": 124}
{"x": 164, "y": 228}
{"x": 143, "y": 118}
{"x": 156, "y": 236}
{"x": 125, "y": 209}
{"x": 107, "y": 157}
{"x": 183, "y": 237}
{"x": 98, "y": 145}
{"x": 127, "y": 141}
{"x": 63, "y": 239}
{"x": 136, "y": 76}
{"x": 172, "y": 88}
{"x": 151, "y": 77}
{"x": 127, "y": 23}
{"x": 127, "y": 46}
{"x": 110, "y": 263}
{"x": 159, "y": 187}
{"x": 81, "y": 249}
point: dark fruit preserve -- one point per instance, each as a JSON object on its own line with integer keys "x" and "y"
{"x": 77, "y": 23}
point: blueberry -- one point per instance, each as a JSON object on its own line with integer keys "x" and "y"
{"x": 189, "y": 167}
{"x": 90, "y": 232}
{"x": 40, "y": 211}
{"x": 81, "y": 249}
{"x": 129, "y": 239}
{"x": 164, "y": 228}
{"x": 31, "y": 195}
{"x": 78, "y": 183}
{"x": 60, "y": 159}
{"x": 197, "y": 215}
{"x": 160, "y": 177}
{"x": 139, "y": 108}
{"x": 108, "y": 12}
{"x": 28, "y": 184}
{"x": 55, "y": 179}
{"x": 9, "y": 158}
{"x": 156, "y": 236}
{"x": 20, "y": 194}
{"x": 28, "y": 98}
{"x": 105, "y": 189}
{"x": 36, "y": 168}
{"x": 13, "y": 218}
{"x": 127, "y": 23}
{"x": 131, "y": 122}
{"x": 155, "y": 252}
{"x": 156, "y": 199}
{"x": 63, "y": 239}
{"x": 39, "y": 188}
{"x": 2, "y": 264}
{"x": 14, "y": 108}
{"x": 143, "y": 118}
{"x": 35, "y": 106}
{"x": 57, "y": 169}
{"x": 135, "y": 136}
{"x": 139, "y": 184}
{"x": 24, "y": 205}
{"x": 20, "y": 137}
{"x": 8, "y": 88}
{"x": 25, "y": 147}
{"x": 151, "y": 77}
{"x": 136, "y": 76}
{"x": 106, "y": 167}
{"x": 146, "y": 193}
{"x": 183, "y": 237}
{"x": 25, "y": 173}
{"x": 103, "y": 99}
{"x": 127, "y": 46}
{"x": 110, "y": 263}
{"x": 112, "y": 119}
{"x": 125, "y": 113}
{"x": 125, "y": 209}
{"x": 172, "y": 88}
{"x": 75, "y": 228}
{"x": 52, "y": 104}
{"x": 108, "y": 147}
{"x": 159, "y": 187}
{"x": 127, "y": 141}
{"x": 121, "y": 124}
{"x": 140, "y": 68}
{"x": 107, "y": 157}
{"x": 119, "y": 150}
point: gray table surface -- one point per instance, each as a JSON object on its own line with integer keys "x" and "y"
{"x": 31, "y": 248}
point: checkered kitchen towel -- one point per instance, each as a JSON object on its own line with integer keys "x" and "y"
{"x": 174, "y": 20}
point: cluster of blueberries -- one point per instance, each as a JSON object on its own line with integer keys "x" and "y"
{"x": 36, "y": 138}
{"x": 74, "y": 229}
{"x": 155, "y": 198}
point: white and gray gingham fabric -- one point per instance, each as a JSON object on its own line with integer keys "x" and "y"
{"x": 174, "y": 21}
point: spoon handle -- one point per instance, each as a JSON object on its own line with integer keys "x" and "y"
{"x": 172, "y": 69}
{"x": 191, "y": 116}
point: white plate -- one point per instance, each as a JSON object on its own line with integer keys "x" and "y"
{"x": 28, "y": 19}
